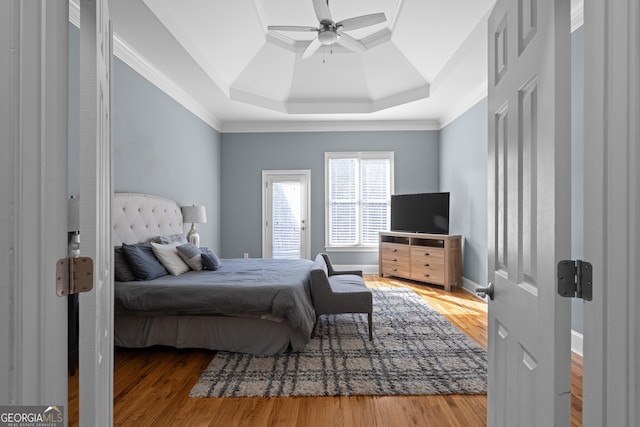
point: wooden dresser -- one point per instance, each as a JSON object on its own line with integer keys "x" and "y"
{"x": 430, "y": 258}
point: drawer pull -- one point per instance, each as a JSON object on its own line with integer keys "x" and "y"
{"x": 426, "y": 275}
{"x": 395, "y": 259}
{"x": 394, "y": 269}
{"x": 426, "y": 265}
{"x": 426, "y": 254}
{"x": 394, "y": 250}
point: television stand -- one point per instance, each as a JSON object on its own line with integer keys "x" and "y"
{"x": 429, "y": 258}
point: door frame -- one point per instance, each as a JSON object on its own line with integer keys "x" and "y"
{"x": 96, "y": 345}
{"x": 33, "y": 188}
{"x": 266, "y": 174}
{"x": 612, "y": 212}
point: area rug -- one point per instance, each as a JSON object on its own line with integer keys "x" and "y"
{"x": 415, "y": 351}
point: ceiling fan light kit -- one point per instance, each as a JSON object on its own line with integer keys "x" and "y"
{"x": 330, "y": 32}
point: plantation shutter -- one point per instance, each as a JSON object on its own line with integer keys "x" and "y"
{"x": 359, "y": 187}
{"x": 342, "y": 201}
{"x": 376, "y": 193}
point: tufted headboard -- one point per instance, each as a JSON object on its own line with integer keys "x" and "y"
{"x": 140, "y": 217}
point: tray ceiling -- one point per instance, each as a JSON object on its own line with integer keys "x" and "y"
{"x": 423, "y": 65}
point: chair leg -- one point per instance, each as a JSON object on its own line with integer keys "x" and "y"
{"x": 313, "y": 331}
{"x": 370, "y": 327}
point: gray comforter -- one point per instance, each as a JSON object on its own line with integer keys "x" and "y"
{"x": 240, "y": 287}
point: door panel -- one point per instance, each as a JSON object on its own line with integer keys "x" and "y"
{"x": 529, "y": 161}
{"x": 285, "y": 214}
{"x": 96, "y": 307}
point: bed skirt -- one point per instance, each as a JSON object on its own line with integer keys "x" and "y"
{"x": 226, "y": 333}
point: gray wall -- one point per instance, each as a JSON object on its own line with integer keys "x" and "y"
{"x": 246, "y": 155}
{"x": 463, "y": 172}
{"x": 161, "y": 148}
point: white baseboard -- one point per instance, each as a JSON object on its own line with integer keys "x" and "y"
{"x": 471, "y": 286}
{"x": 576, "y": 343}
{"x": 366, "y": 269}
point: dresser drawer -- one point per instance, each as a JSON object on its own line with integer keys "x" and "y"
{"x": 426, "y": 253}
{"x": 394, "y": 250}
{"x": 395, "y": 260}
{"x": 431, "y": 274}
{"x": 427, "y": 264}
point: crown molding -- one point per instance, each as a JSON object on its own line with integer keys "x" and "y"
{"x": 330, "y": 126}
{"x": 127, "y": 54}
{"x": 464, "y": 105}
{"x": 150, "y": 72}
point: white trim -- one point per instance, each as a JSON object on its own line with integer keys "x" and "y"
{"x": 146, "y": 69}
{"x": 464, "y": 105}
{"x": 373, "y": 248}
{"x": 471, "y": 286}
{"x": 306, "y": 235}
{"x": 329, "y": 126}
{"x": 365, "y": 268}
{"x": 577, "y": 14}
{"x": 141, "y": 65}
{"x": 134, "y": 59}
{"x": 360, "y": 156}
{"x": 576, "y": 342}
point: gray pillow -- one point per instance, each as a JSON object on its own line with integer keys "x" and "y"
{"x": 143, "y": 262}
{"x": 210, "y": 261}
{"x": 164, "y": 240}
{"x": 191, "y": 254}
{"x": 122, "y": 270}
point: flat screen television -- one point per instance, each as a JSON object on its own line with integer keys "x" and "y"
{"x": 420, "y": 213}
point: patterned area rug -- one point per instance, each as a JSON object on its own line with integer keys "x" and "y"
{"x": 415, "y": 351}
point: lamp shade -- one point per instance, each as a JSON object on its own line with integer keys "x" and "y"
{"x": 73, "y": 214}
{"x": 194, "y": 214}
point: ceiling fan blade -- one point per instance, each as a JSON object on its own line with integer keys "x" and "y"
{"x": 312, "y": 48}
{"x": 362, "y": 21}
{"x": 291, "y": 28}
{"x": 350, "y": 43}
{"x": 322, "y": 10}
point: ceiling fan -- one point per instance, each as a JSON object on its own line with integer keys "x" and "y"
{"x": 330, "y": 32}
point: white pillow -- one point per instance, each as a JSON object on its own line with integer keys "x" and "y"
{"x": 169, "y": 257}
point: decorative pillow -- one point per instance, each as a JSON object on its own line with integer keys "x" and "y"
{"x": 168, "y": 256}
{"x": 164, "y": 240}
{"x": 122, "y": 270}
{"x": 210, "y": 261}
{"x": 143, "y": 262}
{"x": 191, "y": 255}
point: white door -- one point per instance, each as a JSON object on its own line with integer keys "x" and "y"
{"x": 529, "y": 212}
{"x": 611, "y": 392}
{"x": 285, "y": 218}
{"x": 33, "y": 201}
{"x": 96, "y": 307}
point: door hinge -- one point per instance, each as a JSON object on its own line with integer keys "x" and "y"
{"x": 74, "y": 275}
{"x": 575, "y": 279}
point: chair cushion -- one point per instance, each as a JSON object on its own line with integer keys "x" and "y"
{"x": 347, "y": 283}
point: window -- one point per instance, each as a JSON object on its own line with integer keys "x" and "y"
{"x": 358, "y": 196}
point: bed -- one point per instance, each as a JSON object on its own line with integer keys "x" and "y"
{"x": 257, "y": 306}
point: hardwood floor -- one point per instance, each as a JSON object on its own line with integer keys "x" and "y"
{"x": 151, "y": 387}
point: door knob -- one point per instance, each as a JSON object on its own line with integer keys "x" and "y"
{"x": 488, "y": 291}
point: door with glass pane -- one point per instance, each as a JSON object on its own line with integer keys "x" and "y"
{"x": 285, "y": 212}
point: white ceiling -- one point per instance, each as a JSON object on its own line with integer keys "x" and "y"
{"x": 424, "y": 66}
